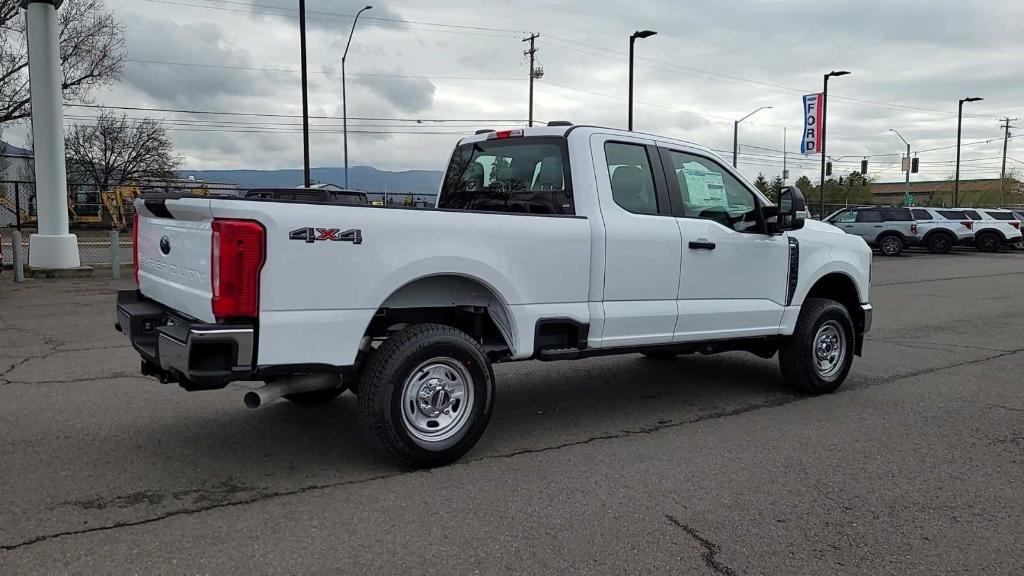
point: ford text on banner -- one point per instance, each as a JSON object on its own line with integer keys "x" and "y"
{"x": 813, "y": 123}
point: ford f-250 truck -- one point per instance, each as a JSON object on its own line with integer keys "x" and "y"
{"x": 548, "y": 243}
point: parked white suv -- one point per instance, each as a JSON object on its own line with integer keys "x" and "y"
{"x": 994, "y": 228}
{"x": 942, "y": 228}
{"x": 547, "y": 243}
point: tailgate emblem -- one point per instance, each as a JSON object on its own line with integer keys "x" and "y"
{"x": 165, "y": 245}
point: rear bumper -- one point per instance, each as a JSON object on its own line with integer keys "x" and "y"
{"x": 197, "y": 355}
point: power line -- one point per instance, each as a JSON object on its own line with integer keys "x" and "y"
{"x": 269, "y": 115}
{"x": 406, "y": 24}
{"x": 670, "y": 66}
{"x": 295, "y": 71}
{"x": 378, "y": 18}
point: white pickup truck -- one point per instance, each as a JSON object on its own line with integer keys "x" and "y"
{"x": 549, "y": 243}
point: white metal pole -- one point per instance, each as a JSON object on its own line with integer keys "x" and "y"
{"x": 53, "y": 247}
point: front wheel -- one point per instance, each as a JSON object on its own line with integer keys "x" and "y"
{"x": 427, "y": 395}
{"x": 817, "y": 357}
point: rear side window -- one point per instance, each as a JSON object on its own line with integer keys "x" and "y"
{"x": 953, "y": 214}
{"x": 869, "y": 216}
{"x": 896, "y": 214}
{"x": 1001, "y": 215}
{"x": 525, "y": 175}
{"x": 632, "y": 180}
{"x": 920, "y": 214}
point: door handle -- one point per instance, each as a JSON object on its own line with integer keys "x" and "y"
{"x": 702, "y": 245}
{"x": 878, "y": 225}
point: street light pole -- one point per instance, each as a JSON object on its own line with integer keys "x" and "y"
{"x": 305, "y": 94}
{"x": 824, "y": 123}
{"x": 632, "y": 41}
{"x": 959, "y": 125}
{"x": 344, "y": 100}
{"x": 897, "y": 132}
{"x": 736, "y": 132}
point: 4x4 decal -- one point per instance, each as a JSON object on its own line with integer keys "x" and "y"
{"x": 311, "y": 235}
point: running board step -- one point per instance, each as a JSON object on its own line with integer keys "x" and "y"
{"x": 559, "y": 354}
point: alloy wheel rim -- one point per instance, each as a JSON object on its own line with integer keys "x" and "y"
{"x": 437, "y": 399}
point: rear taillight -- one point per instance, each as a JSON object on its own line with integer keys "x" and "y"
{"x": 135, "y": 246}
{"x": 1015, "y": 224}
{"x": 969, "y": 224}
{"x": 913, "y": 228}
{"x": 237, "y": 255}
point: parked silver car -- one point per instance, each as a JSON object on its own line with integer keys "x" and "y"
{"x": 888, "y": 228}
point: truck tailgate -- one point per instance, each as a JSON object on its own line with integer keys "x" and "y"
{"x": 174, "y": 250}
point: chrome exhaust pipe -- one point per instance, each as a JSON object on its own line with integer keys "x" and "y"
{"x": 274, "y": 389}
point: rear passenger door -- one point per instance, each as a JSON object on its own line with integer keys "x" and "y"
{"x": 642, "y": 244}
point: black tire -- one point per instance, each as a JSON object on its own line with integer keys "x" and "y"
{"x": 798, "y": 353}
{"x": 383, "y": 387}
{"x": 890, "y": 245}
{"x": 315, "y": 397}
{"x": 660, "y": 355}
{"x": 987, "y": 241}
{"x": 940, "y": 243}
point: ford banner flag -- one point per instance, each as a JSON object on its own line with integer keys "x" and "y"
{"x": 813, "y": 123}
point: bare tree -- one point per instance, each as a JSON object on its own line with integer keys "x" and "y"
{"x": 91, "y": 52}
{"x": 118, "y": 151}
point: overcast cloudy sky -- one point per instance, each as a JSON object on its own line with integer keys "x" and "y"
{"x": 711, "y": 62}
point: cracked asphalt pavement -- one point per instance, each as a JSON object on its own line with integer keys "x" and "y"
{"x": 702, "y": 465}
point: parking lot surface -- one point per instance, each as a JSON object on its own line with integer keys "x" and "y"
{"x": 701, "y": 465}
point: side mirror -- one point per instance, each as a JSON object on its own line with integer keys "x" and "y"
{"x": 792, "y": 209}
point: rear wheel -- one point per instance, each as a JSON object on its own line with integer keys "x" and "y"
{"x": 817, "y": 357}
{"x": 939, "y": 243}
{"x": 987, "y": 242}
{"x": 891, "y": 245}
{"x": 427, "y": 395}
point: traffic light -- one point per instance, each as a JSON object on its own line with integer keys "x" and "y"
{"x": 864, "y": 166}
{"x": 914, "y": 165}
{"x": 828, "y": 168}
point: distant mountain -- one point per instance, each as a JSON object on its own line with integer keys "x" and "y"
{"x": 363, "y": 178}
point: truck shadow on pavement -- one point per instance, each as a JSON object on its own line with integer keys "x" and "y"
{"x": 538, "y": 405}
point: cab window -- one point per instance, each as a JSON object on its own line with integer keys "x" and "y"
{"x": 708, "y": 191}
{"x": 632, "y": 181}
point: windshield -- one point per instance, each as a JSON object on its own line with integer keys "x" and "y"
{"x": 513, "y": 175}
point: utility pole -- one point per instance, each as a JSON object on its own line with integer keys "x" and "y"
{"x": 1006, "y": 139}
{"x": 533, "y": 73}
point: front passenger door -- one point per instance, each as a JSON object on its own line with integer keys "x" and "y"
{"x": 734, "y": 276}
